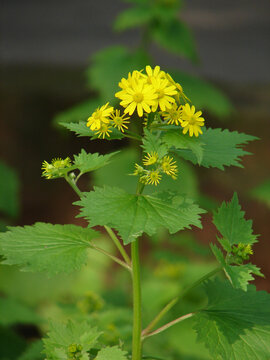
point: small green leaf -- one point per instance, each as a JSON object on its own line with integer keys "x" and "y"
{"x": 220, "y": 148}
{"x": 14, "y": 312}
{"x": 131, "y": 215}
{"x": 230, "y": 222}
{"x": 175, "y": 138}
{"x": 176, "y": 37}
{"x": 46, "y": 247}
{"x": 89, "y": 162}
{"x": 133, "y": 17}
{"x": 112, "y": 353}
{"x": 235, "y": 325}
{"x": 9, "y": 188}
{"x": 262, "y": 192}
{"x": 152, "y": 143}
{"x": 81, "y": 129}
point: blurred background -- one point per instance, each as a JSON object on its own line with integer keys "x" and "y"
{"x": 57, "y": 60}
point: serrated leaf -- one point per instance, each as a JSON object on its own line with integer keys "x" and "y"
{"x": 112, "y": 353}
{"x": 61, "y": 336}
{"x": 131, "y": 215}
{"x": 262, "y": 192}
{"x": 81, "y": 129}
{"x": 176, "y": 37}
{"x": 204, "y": 96}
{"x": 14, "y": 312}
{"x": 86, "y": 162}
{"x": 230, "y": 222}
{"x": 46, "y": 247}
{"x": 152, "y": 143}
{"x": 221, "y": 148}
{"x": 133, "y": 17}
{"x": 175, "y": 138}
{"x": 9, "y": 188}
{"x": 235, "y": 325}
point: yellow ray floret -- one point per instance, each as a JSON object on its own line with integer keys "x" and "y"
{"x": 191, "y": 120}
{"x": 165, "y": 92}
{"x": 169, "y": 167}
{"x": 153, "y": 177}
{"x": 153, "y": 73}
{"x": 180, "y": 92}
{"x": 99, "y": 116}
{"x": 173, "y": 115}
{"x": 150, "y": 158}
{"x": 119, "y": 121}
{"x": 104, "y": 131}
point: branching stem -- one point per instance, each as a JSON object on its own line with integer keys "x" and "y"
{"x": 118, "y": 244}
{"x": 114, "y": 258}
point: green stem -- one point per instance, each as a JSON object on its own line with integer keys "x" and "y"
{"x": 137, "y": 305}
{"x": 118, "y": 244}
{"x": 73, "y": 185}
{"x": 114, "y": 258}
{"x": 164, "y": 311}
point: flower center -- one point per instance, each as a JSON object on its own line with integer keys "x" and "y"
{"x": 98, "y": 114}
{"x": 192, "y": 120}
{"x": 138, "y": 97}
{"x": 118, "y": 120}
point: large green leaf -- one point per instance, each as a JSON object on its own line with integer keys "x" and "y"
{"x": 133, "y": 17}
{"x": 110, "y": 65}
{"x": 235, "y": 325}
{"x": 112, "y": 353}
{"x": 221, "y": 148}
{"x": 176, "y": 37}
{"x": 9, "y": 187}
{"x": 46, "y": 247}
{"x": 14, "y": 312}
{"x": 203, "y": 95}
{"x": 230, "y": 222}
{"x": 131, "y": 215}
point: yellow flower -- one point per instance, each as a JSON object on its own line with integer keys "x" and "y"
{"x": 173, "y": 115}
{"x": 164, "y": 91}
{"x": 139, "y": 170}
{"x": 151, "y": 158}
{"x": 99, "y": 116}
{"x": 180, "y": 93}
{"x": 125, "y": 83}
{"x": 153, "y": 177}
{"x": 103, "y": 131}
{"x": 119, "y": 121}
{"x": 153, "y": 73}
{"x": 137, "y": 96}
{"x": 169, "y": 167}
{"x": 191, "y": 120}
{"x": 55, "y": 169}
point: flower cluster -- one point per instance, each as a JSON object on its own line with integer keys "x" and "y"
{"x": 148, "y": 92}
{"x": 241, "y": 252}
{"x": 74, "y": 352}
{"x": 57, "y": 168}
{"x": 155, "y": 167}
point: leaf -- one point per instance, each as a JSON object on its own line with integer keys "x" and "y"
{"x": 11, "y": 345}
{"x": 112, "y": 353}
{"x": 33, "y": 352}
{"x": 221, "y": 148}
{"x": 61, "y": 336}
{"x": 175, "y": 37}
{"x": 89, "y": 162}
{"x": 46, "y": 247}
{"x": 175, "y": 138}
{"x": 14, "y": 312}
{"x": 78, "y": 112}
{"x": 152, "y": 143}
{"x": 131, "y": 215}
{"x": 262, "y": 192}
{"x": 235, "y": 325}
{"x": 230, "y": 222}
{"x": 133, "y": 17}
{"x": 110, "y": 65}
{"x": 81, "y": 129}
{"x": 204, "y": 96}
{"x": 9, "y": 188}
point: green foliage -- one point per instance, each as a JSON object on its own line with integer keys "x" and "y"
{"x": 204, "y": 95}
{"x": 112, "y": 353}
{"x": 14, "y": 312}
{"x": 262, "y": 192}
{"x": 11, "y": 345}
{"x": 131, "y": 215}
{"x": 9, "y": 187}
{"x": 221, "y": 148}
{"x": 62, "y": 338}
{"x": 152, "y": 143}
{"x": 33, "y": 352}
{"x": 133, "y": 17}
{"x": 235, "y": 325}
{"x": 110, "y": 65}
{"x": 89, "y": 162}
{"x": 47, "y": 247}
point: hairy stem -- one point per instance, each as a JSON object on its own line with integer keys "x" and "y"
{"x": 118, "y": 244}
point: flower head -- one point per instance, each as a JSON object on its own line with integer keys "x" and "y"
{"x": 57, "y": 168}
{"x": 119, "y": 121}
{"x": 104, "y": 130}
{"x": 191, "y": 120}
{"x": 165, "y": 92}
{"x": 99, "y": 116}
{"x": 150, "y": 158}
{"x": 169, "y": 167}
{"x": 173, "y": 115}
{"x": 151, "y": 74}
{"x": 153, "y": 177}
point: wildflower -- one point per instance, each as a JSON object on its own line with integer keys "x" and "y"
{"x": 153, "y": 73}
{"x": 151, "y": 158}
{"x": 125, "y": 83}
{"x": 55, "y": 169}
{"x": 153, "y": 177}
{"x": 180, "y": 93}
{"x": 119, "y": 121}
{"x": 173, "y": 115}
{"x": 191, "y": 120}
{"x": 137, "y": 96}
{"x": 169, "y": 167}
{"x": 164, "y": 94}
{"x": 99, "y": 116}
{"x": 103, "y": 131}
{"x": 138, "y": 170}
{"x": 242, "y": 251}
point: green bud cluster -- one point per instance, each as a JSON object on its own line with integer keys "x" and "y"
{"x": 74, "y": 352}
{"x": 241, "y": 252}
